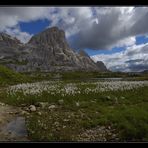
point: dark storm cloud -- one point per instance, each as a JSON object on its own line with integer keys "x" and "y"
{"x": 138, "y": 68}
{"x": 140, "y": 26}
{"x": 97, "y": 36}
{"x": 133, "y": 61}
{"x": 131, "y": 68}
{"x": 137, "y": 64}
{"x": 111, "y": 29}
{"x": 93, "y": 27}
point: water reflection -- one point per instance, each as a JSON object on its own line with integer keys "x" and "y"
{"x": 17, "y": 127}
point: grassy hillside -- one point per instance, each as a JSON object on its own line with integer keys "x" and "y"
{"x": 8, "y": 76}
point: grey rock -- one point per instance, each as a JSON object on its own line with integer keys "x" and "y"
{"x": 42, "y": 104}
{"x": 51, "y": 107}
{"x": 47, "y": 51}
{"x": 32, "y": 108}
{"x": 101, "y": 66}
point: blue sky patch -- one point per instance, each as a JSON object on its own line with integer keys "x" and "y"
{"x": 34, "y": 27}
{"x": 113, "y": 50}
{"x": 141, "y": 40}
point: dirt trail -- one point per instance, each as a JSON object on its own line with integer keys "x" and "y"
{"x": 12, "y": 124}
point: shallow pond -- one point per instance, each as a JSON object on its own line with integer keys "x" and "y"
{"x": 16, "y": 128}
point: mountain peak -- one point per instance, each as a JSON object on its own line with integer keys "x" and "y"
{"x": 101, "y": 65}
{"x": 52, "y": 36}
{"x": 9, "y": 40}
{"x": 4, "y": 36}
{"x": 83, "y": 53}
{"x": 46, "y": 51}
{"x": 54, "y": 28}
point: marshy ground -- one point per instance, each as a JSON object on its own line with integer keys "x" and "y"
{"x": 75, "y": 110}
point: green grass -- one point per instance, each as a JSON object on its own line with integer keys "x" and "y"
{"x": 128, "y": 114}
{"x": 8, "y": 76}
{"x": 86, "y": 75}
{"x": 129, "y": 118}
{"x": 73, "y": 76}
{"x": 125, "y": 111}
{"x": 38, "y": 76}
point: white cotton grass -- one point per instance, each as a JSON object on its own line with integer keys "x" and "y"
{"x": 73, "y": 89}
{"x": 116, "y": 85}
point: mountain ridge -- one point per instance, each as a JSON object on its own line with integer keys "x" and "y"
{"x": 46, "y": 51}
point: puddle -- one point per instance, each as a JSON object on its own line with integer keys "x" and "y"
{"x": 16, "y": 127}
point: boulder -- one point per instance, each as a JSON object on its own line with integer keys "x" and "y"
{"x": 32, "y": 108}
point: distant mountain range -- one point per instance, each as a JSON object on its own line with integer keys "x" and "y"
{"x": 47, "y": 51}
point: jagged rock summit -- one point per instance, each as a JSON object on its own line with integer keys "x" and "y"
{"x": 47, "y": 51}
{"x": 8, "y": 40}
{"x": 102, "y": 66}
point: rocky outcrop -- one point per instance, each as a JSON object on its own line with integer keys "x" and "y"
{"x": 9, "y": 49}
{"x": 101, "y": 65}
{"x": 9, "y": 41}
{"x": 47, "y": 51}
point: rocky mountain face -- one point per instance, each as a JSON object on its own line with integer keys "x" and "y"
{"x": 8, "y": 45}
{"x": 47, "y": 51}
{"x": 101, "y": 65}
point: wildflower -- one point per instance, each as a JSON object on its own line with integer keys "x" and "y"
{"x": 77, "y": 104}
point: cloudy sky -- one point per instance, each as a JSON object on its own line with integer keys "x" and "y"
{"x": 118, "y": 36}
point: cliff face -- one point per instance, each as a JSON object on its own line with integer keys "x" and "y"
{"x": 8, "y": 45}
{"x": 101, "y": 65}
{"x": 46, "y": 51}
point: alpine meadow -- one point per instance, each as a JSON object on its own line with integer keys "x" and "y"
{"x": 74, "y": 74}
